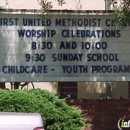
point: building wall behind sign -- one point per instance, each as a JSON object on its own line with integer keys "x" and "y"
{"x": 87, "y": 90}
{"x": 70, "y": 5}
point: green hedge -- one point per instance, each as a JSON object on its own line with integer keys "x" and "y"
{"x": 56, "y": 114}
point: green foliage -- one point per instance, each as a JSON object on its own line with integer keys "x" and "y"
{"x": 56, "y": 114}
{"x": 122, "y": 13}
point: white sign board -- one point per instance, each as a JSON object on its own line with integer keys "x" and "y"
{"x": 63, "y": 48}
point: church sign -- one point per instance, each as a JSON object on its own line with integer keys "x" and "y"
{"x": 63, "y": 47}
